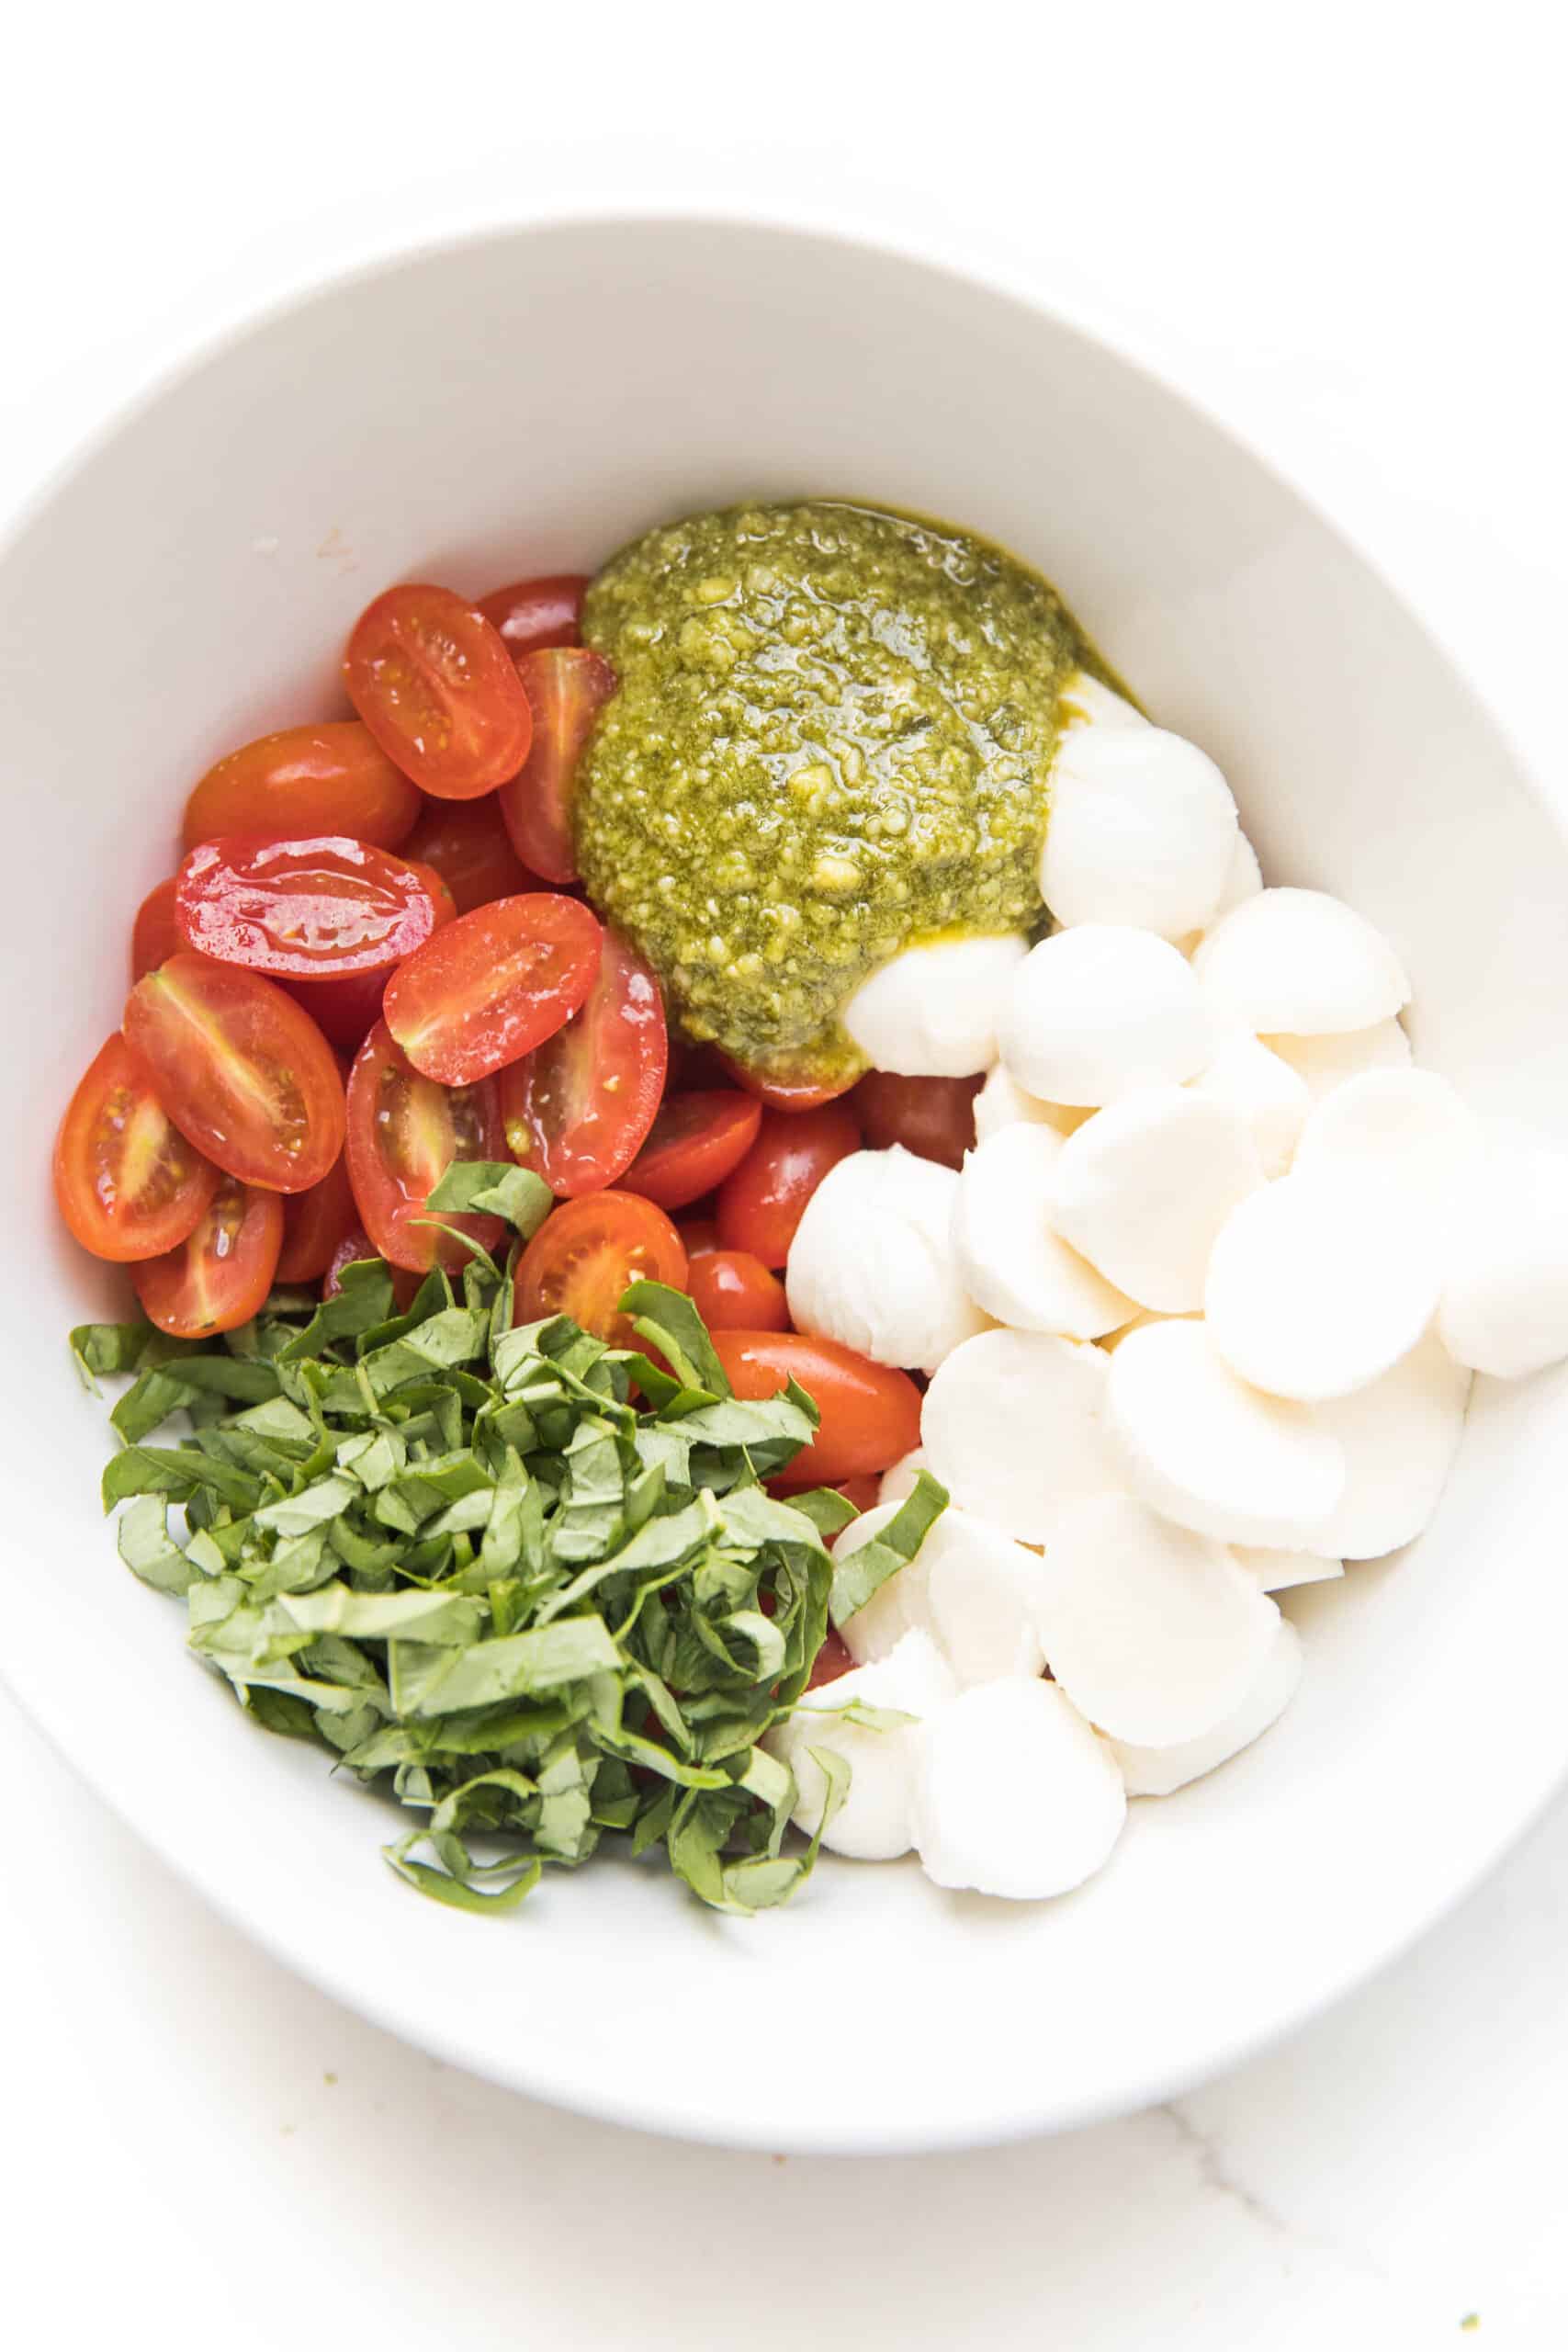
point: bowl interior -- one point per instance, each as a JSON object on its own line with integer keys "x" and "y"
{"x": 525, "y": 402}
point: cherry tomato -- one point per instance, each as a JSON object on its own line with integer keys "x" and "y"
{"x": 314, "y": 1224}
{"x": 699, "y": 1233}
{"x": 404, "y": 1132}
{"x": 732, "y": 1291}
{"x": 693, "y": 1145}
{"x": 782, "y": 1091}
{"x": 156, "y": 935}
{"x": 586, "y": 1255}
{"x": 127, "y": 1184}
{"x": 761, "y": 1204}
{"x": 436, "y": 882}
{"x": 306, "y": 781}
{"x": 532, "y": 614}
{"x": 933, "y": 1117}
{"x": 325, "y": 909}
{"x": 833, "y": 1659}
{"x": 347, "y": 1010}
{"x": 218, "y": 1277}
{"x": 871, "y": 1414}
{"x": 566, "y": 687}
{"x": 354, "y": 1247}
{"x": 578, "y": 1107}
{"x": 862, "y": 1492}
{"x": 468, "y": 846}
{"x": 242, "y": 1072}
{"x": 488, "y": 988}
{"x": 434, "y": 685}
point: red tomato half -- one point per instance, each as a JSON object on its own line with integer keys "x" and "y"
{"x": 760, "y": 1205}
{"x": 468, "y": 846}
{"x": 782, "y": 1092}
{"x": 833, "y": 1659}
{"x": 863, "y": 1492}
{"x": 488, "y": 988}
{"x": 347, "y": 1010}
{"x": 566, "y": 687}
{"x": 404, "y": 1132}
{"x": 732, "y": 1291}
{"x": 306, "y": 781}
{"x": 693, "y": 1145}
{"x": 314, "y": 1223}
{"x": 325, "y": 909}
{"x": 154, "y": 935}
{"x": 354, "y": 1247}
{"x": 436, "y": 688}
{"x": 933, "y": 1117}
{"x": 240, "y": 1070}
{"x": 127, "y": 1184}
{"x": 586, "y": 1255}
{"x": 871, "y": 1414}
{"x": 532, "y": 614}
{"x": 578, "y": 1107}
{"x": 217, "y": 1279}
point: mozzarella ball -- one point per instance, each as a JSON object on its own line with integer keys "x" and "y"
{"x": 900, "y": 1605}
{"x": 1097, "y": 1012}
{"x": 1505, "y": 1303}
{"x": 1016, "y": 1796}
{"x": 1145, "y": 1186}
{"x": 933, "y": 1010}
{"x": 1324, "y": 1063}
{"x": 1244, "y": 880}
{"x": 1002, "y": 1102}
{"x": 1398, "y": 1127}
{"x": 1012, "y": 1262}
{"x": 1086, "y": 701}
{"x": 1303, "y": 964}
{"x": 872, "y": 1264}
{"x": 902, "y": 1479}
{"x": 1142, "y": 831}
{"x": 1399, "y": 1437}
{"x": 983, "y": 1589}
{"x": 1278, "y": 1571}
{"x": 1013, "y": 1425}
{"x": 1159, "y": 1771}
{"x": 1262, "y": 1090}
{"x": 874, "y": 1823}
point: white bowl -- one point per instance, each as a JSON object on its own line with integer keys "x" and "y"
{"x": 525, "y": 402}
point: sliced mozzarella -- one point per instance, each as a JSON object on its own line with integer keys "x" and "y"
{"x": 1012, "y": 1262}
{"x": 1399, "y": 1126}
{"x": 1243, "y": 881}
{"x": 1504, "y": 1304}
{"x": 1016, "y": 1796}
{"x": 1158, "y": 1771}
{"x": 872, "y": 1263}
{"x": 1301, "y": 963}
{"x": 982, "y": 1588}
{"x": 932, "y": 1012}
{"x": 1013, "y": 1427}
{"x": 901, "y": 1480}
{"x": 1145, "y": 1186}
{"x": 1277, "y": 1571}
{"x": 1319, "y": 1282}
{"x": 1002, "y": 1102}
{"x": 1263, "y": 1090}
{"x": 1399, "y": 1437}
{"x": 899, "y": 1606}
{"x": 1212, "y": 1453}
{"x": 1086, "y": 701}
{"x": 1142, "y": 831}
{"x": 1324, "y": 1063}
{"x": 1154, "y": 1632}
{"x": 1099, "y": 1010}
{"x": 874, "y": 1823}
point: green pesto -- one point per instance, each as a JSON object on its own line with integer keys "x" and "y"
{"x": 832, "y": 739}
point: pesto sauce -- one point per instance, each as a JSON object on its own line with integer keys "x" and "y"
{"x": 832, "y": 739}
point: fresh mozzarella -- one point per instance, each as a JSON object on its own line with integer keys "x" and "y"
{"x": 1143, "y": 1187}
{"x": 1398, "y": 1127}
{"x": 1013, "y": 1427}
{"x": 1086, "y": 701}
{"x": 1015, "y": 1794}
{"x": 901, "y": 1605}
{"x": 1212, "y": 1453}
{"x": 902, "y": 1478}
{"x": 874, "y": 1823}
{"x": 933, "y": 1010}
{"x": 872, "y": 1263}
{"x": 1399, "y": 1438}
{"x": 1303, "y": 964}
{"x": 1277, "y": 1571}
{"x": 982, "y": 1588}
{"x": 1012, "y": 1262}
{"x": 1142, "y": 831}
{"x": 1264, "y": 1091}
{"x": 1158, "y": 1771}
{"x": 1243, "y": 881}
{"x": 1154, "y": 1633}
{"x": 1002, "y": 1102}
{"x": 1097, "y": 1011}
{"x": 1319, "y": 1282}
{"x": 1504, "y": 1304}
{"x": 1324, "y": 1063}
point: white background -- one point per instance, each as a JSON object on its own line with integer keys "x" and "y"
{"x": 1338, "y": 227}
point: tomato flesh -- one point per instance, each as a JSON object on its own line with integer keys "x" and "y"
{"x": 531, "y": 614}
{"x": 334, "y": 778}
{"x": 314, "y": 1223}
{"x": 732, "y": 1291}
{"x": 488, "y": 988}
{"x": 324, "y": 909}
{"x": 127, "y": 1183}
{"x": 155, "y": 935}
{"x": 587, "y": 1254}
{"x": 933, "y": 1117}
{"x": 436, "y": 688}
{"x": 578, "y": 1107}
{"x": 832, "y": 1660}
{"x": 566, "y": 687}
{"x": 404, "y": 1131}
{"x": 871, "y": 1414}
{"x": 347, "y": 1010}
{"x": 218, "y": 1278}
{"x": 242, "y": 1072}
{"x": 693, "y": 1145}
{"x": 468, "y": 846}
{"x": 762, "y": 1202}
{"x": 782, "y": 1091}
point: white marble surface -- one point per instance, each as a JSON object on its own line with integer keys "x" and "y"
{"x": 1344, "y": 238}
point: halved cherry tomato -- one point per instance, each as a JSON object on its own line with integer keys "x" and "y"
{"x": 782, "y": 1090}
{"x": 354, "y": 1247}
{"x": 468, "y": 846}
{"x": 404, "y": 1131}
{"x": 587, "y": 1252}
{"x": 532, "y": 614}
{"x": 436, "y": 688}
{"x": 307, "y": 780}
{"x": 486, "y": 989}
{"x": 693, "y": 1145}
{"x": 862, "y": 1492}
{"x": 871, "y": 1414}
{"x": 732, "y": 1291}
{"x": 833, "y": 1659}
{"x": 127, "y": 1183}
{"x": 761, "y": 1204}
{"x": 218, "y": 1277}
{"x": 328, "y": 908}
{"x": 699, "y": 1233}
{"x": 154, "y": 935}
{"x": 933, "y": 1117}
{"x": 347, "y": 1010}
{"x": 241, "y": 1071}
{"x": 314, "y": 1223}
{"x": 566, "y": 687}
{"x": 578, "y": 1107}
